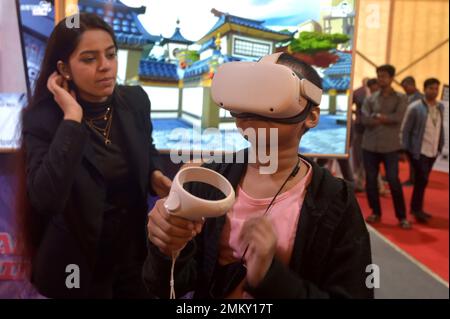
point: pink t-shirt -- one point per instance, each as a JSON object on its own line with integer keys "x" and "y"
{"x": 284, "y": 216}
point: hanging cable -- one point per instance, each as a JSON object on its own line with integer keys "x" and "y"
{"x": 175, "y": 255}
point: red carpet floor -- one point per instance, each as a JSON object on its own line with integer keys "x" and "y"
{"x": 429, "y": 244}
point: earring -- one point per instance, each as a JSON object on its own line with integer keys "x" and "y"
{"x": 68, "y": 77}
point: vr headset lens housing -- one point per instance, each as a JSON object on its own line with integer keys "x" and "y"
{"x": 263, "y": 89}
{"x": 290, "y": 120}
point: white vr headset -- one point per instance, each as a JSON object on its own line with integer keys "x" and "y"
{"x": 262, "y": 88}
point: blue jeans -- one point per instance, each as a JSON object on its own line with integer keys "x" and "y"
{"x": 372, "y": 162}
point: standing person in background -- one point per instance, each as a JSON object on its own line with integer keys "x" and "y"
{"x": 412, "y": 92}
{"x": 373, "y": 85}
{"x": 423, "y": 138}
{"x": 358, "y": 130}
{"x": 409, "y": 86}
{"x": 360, "y": 94}
{"x": 382, "y": 115}
{"x": 382, "y": 190}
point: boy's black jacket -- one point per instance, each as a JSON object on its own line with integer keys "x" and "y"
{"x": 329, "y": 259}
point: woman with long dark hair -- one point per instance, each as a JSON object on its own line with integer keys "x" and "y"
{"x": 90, "y": 163}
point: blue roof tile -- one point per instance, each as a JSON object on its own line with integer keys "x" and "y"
{"x": 202, "y": 66}
{"x": 219, "y": 23}
{"x": 337, "y": 76}
{"x": 336, "y": 83}
{"x": 343, "y": 65}
{"x": 255, "y": 24}
{"x": 127, "y": 27}
{"x": 160, "y": 71}
{"x": 197, "y": 68}
{"x": 210, "y": 44}
{"x": 177, "y": 37}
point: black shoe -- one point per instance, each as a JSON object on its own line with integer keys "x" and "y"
{"x": 359, "y": 190}
{"x": 408, "y": 183}
{"x": 405, "y": 224}
{"x": 421, "y": 213}
{"x": 420, "y": 217}
{"x": 373, "y": 219}
{"x": 426, "y": 215}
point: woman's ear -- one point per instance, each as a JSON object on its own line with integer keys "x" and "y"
{"x": 63, "y": 70}
{"x": 313, "y": 118}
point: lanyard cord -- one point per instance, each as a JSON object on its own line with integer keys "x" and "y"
{"x": 292, "y": 174}
{"x": 172, "y": 269}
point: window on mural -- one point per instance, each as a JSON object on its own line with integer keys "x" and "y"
{"x": 249, "y": 48}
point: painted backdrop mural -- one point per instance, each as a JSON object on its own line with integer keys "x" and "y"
{"x": 172, "y": 49}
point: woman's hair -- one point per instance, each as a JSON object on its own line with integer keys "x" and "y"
{"x": 62, "y": 43}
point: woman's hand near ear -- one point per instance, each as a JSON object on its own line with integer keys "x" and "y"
{"x": 65, "y": 98}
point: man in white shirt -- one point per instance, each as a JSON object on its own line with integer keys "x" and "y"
{"x": 422, "y": 136}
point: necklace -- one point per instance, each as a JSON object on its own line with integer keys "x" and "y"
{"x": 106, "y": 121}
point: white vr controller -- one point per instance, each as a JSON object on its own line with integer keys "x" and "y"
{"x": 183, "y": 204}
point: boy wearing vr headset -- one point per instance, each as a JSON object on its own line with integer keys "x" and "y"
{"x": 296, "y": 233}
